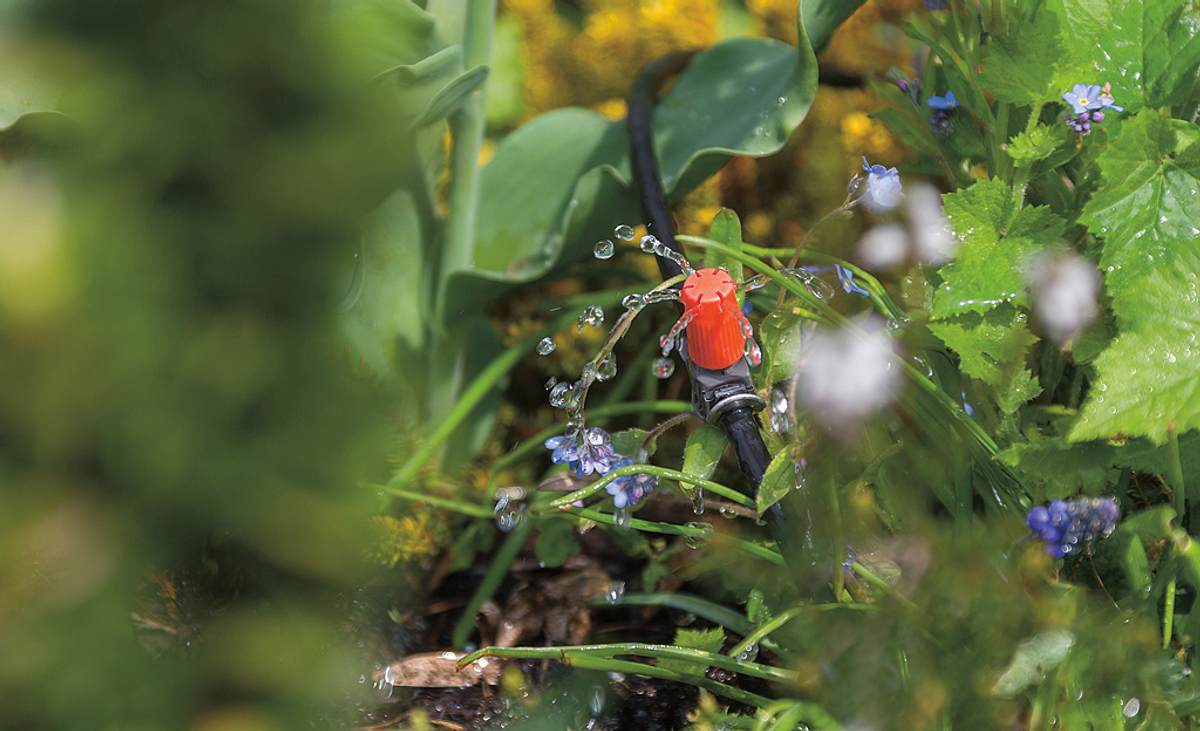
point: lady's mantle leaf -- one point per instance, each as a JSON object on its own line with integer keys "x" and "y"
{"x": 1149, "y": 378}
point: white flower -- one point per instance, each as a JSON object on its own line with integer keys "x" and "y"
{"x": 845, "y": 375}
{"x": 934, "y": 242}
{"x": 883, "y": 246}
{"x": 883, "y": 191}
{"x": 1065, "y": 287}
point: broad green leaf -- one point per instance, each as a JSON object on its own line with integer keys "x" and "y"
{"x": 822, "y": 17}
{"x": 779, "y": 480}
{"x": 1033, "y": 658}
{"x": 1148, "y": 51}
{"x": 22, "y": 90}
{"x": 708, "y": 640}
{"x": 992, "y": 348}
{"x": 988, "y": 269}
{"x": 1058, "y": 469}
{"x": 385, "y": 33}
{"x": 561, "y": 182}
{"x": 779, "y": 333}
{"x": 1147, "y": 209}
{"x": 703, "y": 451}
{"x": 727, "y": 229}
{"x": 555, "y": 541}
{"x": 1149, "y": 378}
{"x": 506, "y": 94}
{"x": 1019, "y": 67}
{"x": 1136, "y": 567}
{"x": 1148, "y": 526}
{"x": 1037, "y": 144}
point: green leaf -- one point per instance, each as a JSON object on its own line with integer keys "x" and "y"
{"x": 1149, "y": 378}
{"x": 1033, "y": 658}
{"x": 450, "y": 97}
{"x": 779, "y": 479}
{"x": 23, "y": 90}
{"x": 726, "y": 229}
{"x": 995, "y": 244}
{"x": 1019, "y": 66}
{"x": 1058, "y": 469}
{"x": 555, "y": 541}
{"x": 822, "y": 17}
{"x": 1136, "y": 567}
{"x": 992, "y": 348}
{"x": 1148, "y": 51}
{"x": 1036, "y": 144}
{"x": 780, "y": 336}
{"x": 703, "y": 451}
{"x": 1148, "y": 526}
{"x": 385, "y": 33}
{"x": 561, "y": 182}
{"x": 757, "y": 610}
{"x": 1146, "y": 209}
{"x": 628, "y": 442}
{"x": 708, "y": 640}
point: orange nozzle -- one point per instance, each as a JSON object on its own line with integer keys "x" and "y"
{"x": 715, "y": 339}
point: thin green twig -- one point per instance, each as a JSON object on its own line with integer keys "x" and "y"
{"x": 644, "y": 469}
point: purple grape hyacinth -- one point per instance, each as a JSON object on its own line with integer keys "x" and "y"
{"x": 1067, "y": 526}
{"x": 585, "y": 451}
{"x": 630, "y": 490}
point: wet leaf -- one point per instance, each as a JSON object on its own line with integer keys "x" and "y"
{"x": 708, "y": 640}
{"x": 555, "y": 541}
{"x": 628, "y": 442}
{"x": 727, "y": 229}
{"x": 779, "y": 479}
{"x": 757, "y": 610}
{"x": 703, "y": 451}
{"x": 439, "y": 670}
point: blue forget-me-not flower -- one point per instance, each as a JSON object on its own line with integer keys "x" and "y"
{"x": 883, "y": 190}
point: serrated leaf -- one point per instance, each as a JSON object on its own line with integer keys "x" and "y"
{"x": 995, "y": 244}
{"x": 727, "y": 229}
{"x": 1148, "y": 51}
{"x": 1033, "y": 658}
{"x": 1059, "y": 469}
{"x": 991, "y": 348}
{"x": 779, "y": 479}
{"x": 1036, "y": 144}
{"x": 1149, "y": 378}
{"x": 708, "y": 640}
{"x": 1019, "y": 67}
{"x": 703, "y": 451}
{"x": 1147, "y": 209}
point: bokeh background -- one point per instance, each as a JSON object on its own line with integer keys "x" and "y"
{"x": 185, "y": 538}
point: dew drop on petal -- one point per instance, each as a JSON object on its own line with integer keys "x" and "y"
{"x": 604, "y": 249}
{"x": 662, "y": 368}
{"x": 545, "y": 346}
{"x": 624, "y": 232}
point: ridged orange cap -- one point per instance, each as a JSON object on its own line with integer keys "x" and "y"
{"x": 714, "y": 334}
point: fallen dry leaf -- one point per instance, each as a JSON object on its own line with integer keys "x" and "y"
{"x": 439, "y": 670}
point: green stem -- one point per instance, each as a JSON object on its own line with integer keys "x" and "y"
{"x": 672, "y": 529}
{"x": 703, "y": 608}
{"x": 1168, "y": 614}
{"x": 653, "y": 671}
{"x": 598, "y": 413}
{"x": 1175, "y": 467}
{"x": 470, "y": 398}
{"x": 644, "y": 469}
{"x": 640, "y": 649}
{"x": 491, "y": 581}
{"x": 775, "y": 623}
{"x": 874, "y": 580}
{"x": 467, "y": 127}
{"x": 458, "y": 506}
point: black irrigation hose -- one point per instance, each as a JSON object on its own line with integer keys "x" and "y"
{"x": 788, "y": 527}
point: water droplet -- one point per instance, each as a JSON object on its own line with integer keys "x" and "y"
{"x": 551, "y": 382}
{"x": 623, "y": 517}
{"x": 604, "y": 249}
{"x": 607, "y": 369}
{"x": 508, "y": 519}
{"x": 1131, "y": 707}
{"x": 698, "y": 500}
{"x": 596, "y": 436}
{"x": 597, "y": 702}
{"x": 546, "y": 346}
{"x": 661, "y": 295}
{"x": 624, "y": 232}
{"x": 820, "y": 289}
{"x": 758, "y": 281}
{"x": 649, "y": 244}
{"x": 560, "y": 394}
{"x": 634, "y": 302}
{"x": 614, "y": 592}
{"x": 697, "y": 540}
{"x": 662, "y": 367}
{"x": 750, "y": 654}
{"x": 780, "y": 419}
{"x": 593, "y": 315}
